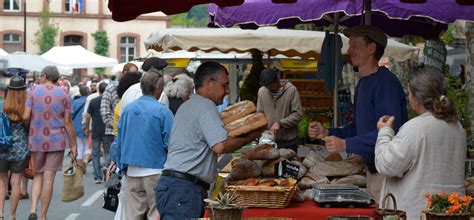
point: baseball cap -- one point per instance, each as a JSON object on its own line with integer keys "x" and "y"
{"x": 373, "y": 32}
{"x": 17, "y": 82}
{"x": 268, "y": 76}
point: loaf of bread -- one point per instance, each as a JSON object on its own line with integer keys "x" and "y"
{"x": 287, "y": 153}
{"x": 250, "y": 182}
{"x": 245, "y": 169}
{"x": 336, "y": 169}
{"x": 236, "y": 111}
{"x": 358, "y": 180}
{"x": 333, "y": 157}
{"x": 263, "y": 152}
{"x": 246, "y": 124}
{"x": 268, "y": 168}
{"x": 311, "y": 159}
{"x": 311, "y": 180}
{"x": 267, "y": 182}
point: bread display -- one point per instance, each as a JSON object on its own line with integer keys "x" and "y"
{"x": 263, "y": 152}
{"x": 237, "y": 110}
{"x": 246, "y": 124}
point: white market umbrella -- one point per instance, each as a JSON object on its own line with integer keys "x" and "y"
{"x": 3, "y": 53}
{"x": 77, "y": 57}
{"x": 32, "y": 62}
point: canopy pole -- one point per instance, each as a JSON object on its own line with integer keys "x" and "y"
{"x": 367, "y": 12}
{"x": 336, "y": 71}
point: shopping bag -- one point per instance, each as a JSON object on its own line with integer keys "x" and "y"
{"x": 73, "y": 187}
{"x": 5, "y": 133}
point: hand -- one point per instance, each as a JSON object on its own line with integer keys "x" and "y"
{"x": 317, "y": 131}
{"x": 73, "y": 152}
{"x": 275, "y": 127}
{"x": 385, "y": 121}
{"x": 335, "y": 144}
{"x": 86, "y": 130}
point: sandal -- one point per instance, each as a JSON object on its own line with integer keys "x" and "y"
{"x": 24, "y": 196}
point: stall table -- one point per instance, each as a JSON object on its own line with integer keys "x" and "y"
{"x": 307, "y": 210}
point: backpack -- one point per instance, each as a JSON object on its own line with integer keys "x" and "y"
{"x": 5, "y": 133}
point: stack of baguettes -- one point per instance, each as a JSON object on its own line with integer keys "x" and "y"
{"x": 241, "y": 118}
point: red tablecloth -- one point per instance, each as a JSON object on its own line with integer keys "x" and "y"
{"x": 307, "y": 210}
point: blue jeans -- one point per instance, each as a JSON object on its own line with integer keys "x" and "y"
{"x": 179, "y": 199}
{"x": 106, "y": 141}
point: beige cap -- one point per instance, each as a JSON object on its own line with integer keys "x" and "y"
{"x": 373, "y": 32}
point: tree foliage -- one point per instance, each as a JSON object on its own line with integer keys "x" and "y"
{"x": 46, "y": 35}
{"x": 101, "y": 46}
{"x": 196, "y": 17}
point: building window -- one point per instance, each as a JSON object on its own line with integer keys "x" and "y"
{"x": 70, "y": 40}
{"x": 74, "y": 6}
{"x": 11, "y": 5}
{"x": 128, "y": 49}
{"x": 12, "y": 42}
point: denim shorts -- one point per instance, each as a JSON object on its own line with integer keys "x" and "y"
{"x": 179, "y": 199}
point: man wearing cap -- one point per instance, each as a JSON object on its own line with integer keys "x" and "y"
{"x": 48, "y": 113}
{"x": 280, "y": 101}
{"x": 378, "y": 93}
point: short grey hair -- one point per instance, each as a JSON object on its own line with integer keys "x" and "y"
{"x": 149, "y": 81}
{"x": 51, "y": 73}
{"x": 180, "y": 87}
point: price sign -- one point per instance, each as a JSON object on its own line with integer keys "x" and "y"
{"x": 286, "y": 169}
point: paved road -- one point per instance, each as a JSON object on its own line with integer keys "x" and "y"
{"x": 88, "y": 207}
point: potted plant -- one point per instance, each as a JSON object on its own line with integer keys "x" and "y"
{"x": 223, "y": 208}
{"x": 448, "y": 206}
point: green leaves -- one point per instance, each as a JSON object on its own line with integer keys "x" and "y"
{"x": 101, "y": 47}
{"x": 47, "y": 33}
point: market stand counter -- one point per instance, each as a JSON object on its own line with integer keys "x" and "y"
{"x": 307, "y": 210}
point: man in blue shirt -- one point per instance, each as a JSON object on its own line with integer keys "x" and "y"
{"x": 378, "y": 93}
{"x": 142, "y": 146}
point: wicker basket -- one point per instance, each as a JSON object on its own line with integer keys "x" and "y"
{"x": 262, "y": 196}
{"x": 230, "y": 213}
{"x": 384, "y": 212}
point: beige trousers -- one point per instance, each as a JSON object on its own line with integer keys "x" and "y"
{"x": 140, "y": 197}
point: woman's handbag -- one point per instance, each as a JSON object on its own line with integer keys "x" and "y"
{"x": 73, "y": 183}
{"x": 112, "y": 189}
